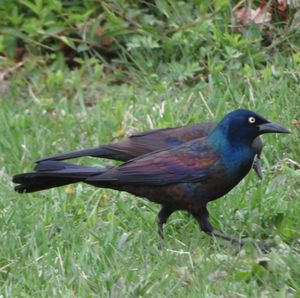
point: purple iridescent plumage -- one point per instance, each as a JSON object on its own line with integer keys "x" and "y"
{"x": 182, "y": 177}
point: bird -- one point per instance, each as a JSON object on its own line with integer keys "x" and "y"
{"x": 153, "y": 140}
{"x": 184, "y": 177}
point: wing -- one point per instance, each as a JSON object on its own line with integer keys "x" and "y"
{"x": 191, "y": 162}
{"x": 140, "y": 144}
{"x": 168, "y": 137}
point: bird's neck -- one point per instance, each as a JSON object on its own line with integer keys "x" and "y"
{"x": 237, "y": 155}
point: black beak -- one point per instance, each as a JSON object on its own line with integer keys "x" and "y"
{"x": 272, "y": 127}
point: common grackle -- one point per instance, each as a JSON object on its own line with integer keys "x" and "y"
{"x": 150, "y": 141}
{"x": 184, "y": 177}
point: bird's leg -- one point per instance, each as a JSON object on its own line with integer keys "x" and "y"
{"x": 203, "y": 219}
{"x": 162, "y": 218}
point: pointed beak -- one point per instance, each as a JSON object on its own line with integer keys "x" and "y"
{"x": 272, "y": 127}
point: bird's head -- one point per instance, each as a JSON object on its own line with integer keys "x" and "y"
{"x": 244, "y": 126}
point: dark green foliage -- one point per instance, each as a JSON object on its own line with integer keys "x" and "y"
{"x": 82, "y": 242}
{"x": 183, "y": 40}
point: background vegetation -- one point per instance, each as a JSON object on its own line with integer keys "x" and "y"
{"x": 81, "y": 73}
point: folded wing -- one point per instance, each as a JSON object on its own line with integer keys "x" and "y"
{"x": 191, "y": 162}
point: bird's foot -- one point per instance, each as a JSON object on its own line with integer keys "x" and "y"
{"x": 263, "y": 246}
{"x": 239, "y": 242}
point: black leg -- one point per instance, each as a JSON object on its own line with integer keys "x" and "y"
{"x": 202, "y": 217}
{"x": 162, "y": 218}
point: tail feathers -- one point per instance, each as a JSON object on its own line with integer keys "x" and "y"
{"x": 41, "y": 184}
{"x": 103, "y": 151}
{"x": 49, "y": 174}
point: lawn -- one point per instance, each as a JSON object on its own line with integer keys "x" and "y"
{"x": 79, "y": 241}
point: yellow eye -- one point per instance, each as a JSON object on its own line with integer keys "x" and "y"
{"x": 251, "y": 120}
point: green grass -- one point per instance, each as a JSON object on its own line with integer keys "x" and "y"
{"x": 93, "y": 242}
{"x": 88, "y": 242}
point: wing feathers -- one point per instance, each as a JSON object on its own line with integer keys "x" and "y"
{"x": 189, "y": 162}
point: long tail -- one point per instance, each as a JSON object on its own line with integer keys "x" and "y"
{"x": 49, "y": 174}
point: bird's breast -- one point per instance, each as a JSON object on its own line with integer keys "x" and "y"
{"x": 237, "y": 159}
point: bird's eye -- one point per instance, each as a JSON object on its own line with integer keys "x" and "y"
{"x": 251, "y": 120}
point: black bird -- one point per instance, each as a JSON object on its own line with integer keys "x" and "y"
{"x": 150, "y": 141}
{"x": 184, "y": 177}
